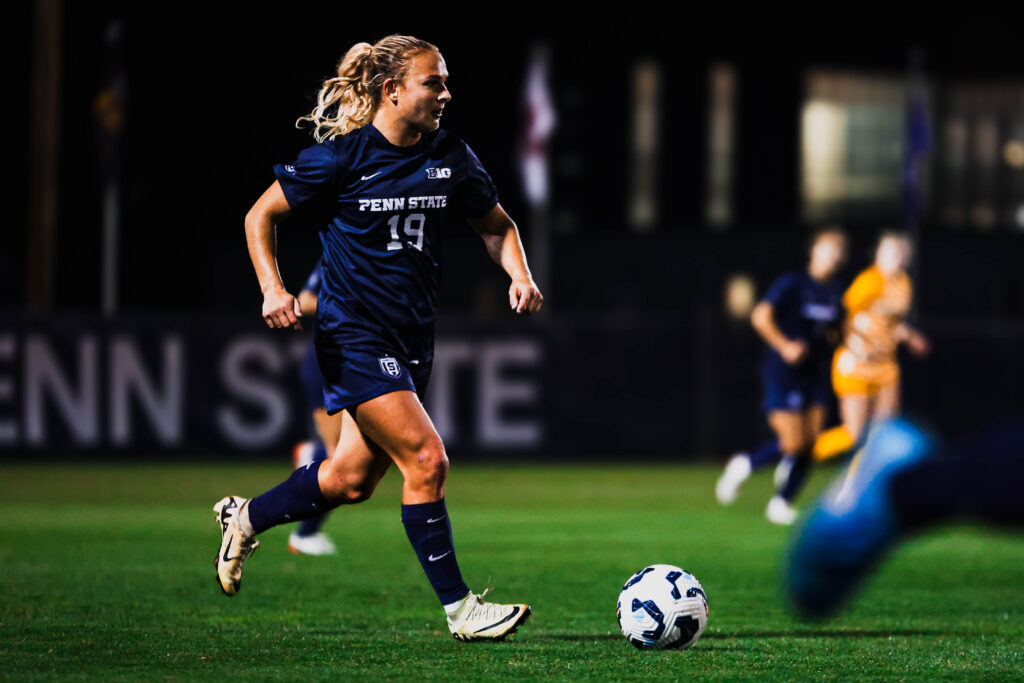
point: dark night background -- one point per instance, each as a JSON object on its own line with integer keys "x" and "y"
{"x": 214, "y": 91}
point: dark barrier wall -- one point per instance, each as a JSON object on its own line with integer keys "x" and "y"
{"x": 212, "y": 384}
{"x": 673, "y": 385}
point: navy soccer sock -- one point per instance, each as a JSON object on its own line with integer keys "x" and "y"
{"x": 430, "y": 532}
{"x": 797, "y": 476}
{"x": 312, "y": 525}
{"x": 767, "y": 454}
{"x": 297, "y": 498}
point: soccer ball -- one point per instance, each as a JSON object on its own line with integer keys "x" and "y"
{"x": 662, "y": 607}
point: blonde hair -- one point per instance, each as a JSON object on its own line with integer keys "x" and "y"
{"x": 350, "y": 99}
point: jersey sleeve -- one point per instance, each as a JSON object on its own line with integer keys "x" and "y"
{"x": 313, "y": 281}
{"x": 312, "y": 178}
{"x": 779, "y": 289}
{"x": 866, "y": 288}
{"x": 475, "y": 194}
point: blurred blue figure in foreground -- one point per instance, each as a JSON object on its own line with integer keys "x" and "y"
{"x": 902, "y": 481}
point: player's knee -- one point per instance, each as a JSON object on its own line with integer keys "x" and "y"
{"x": 356, "y": 490}
{"x": 431, "y": 463}
{"x": 343, "y": 487}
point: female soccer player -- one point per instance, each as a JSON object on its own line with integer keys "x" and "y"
{"x": 794, "y": 318}
{"x": 865, "y": 374}
{"x": 385, "y": 180}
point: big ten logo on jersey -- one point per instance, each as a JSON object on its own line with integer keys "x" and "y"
{"x": 439, "y": 173}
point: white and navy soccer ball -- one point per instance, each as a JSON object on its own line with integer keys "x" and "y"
{"x": 662, "y": 607}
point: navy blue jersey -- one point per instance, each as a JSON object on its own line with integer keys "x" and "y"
{"x": 804, "y": 309}
{"x": 312, "y": 283}
{"x": 381, "y": 211}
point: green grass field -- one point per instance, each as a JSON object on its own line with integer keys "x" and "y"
{"x": 107, "y": 574}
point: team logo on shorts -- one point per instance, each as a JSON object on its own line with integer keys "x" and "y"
{"x": 390, "y": 367}
{"x": 795, "y": 400}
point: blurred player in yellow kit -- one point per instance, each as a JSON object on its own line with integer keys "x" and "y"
{"x": 865, "y": 374}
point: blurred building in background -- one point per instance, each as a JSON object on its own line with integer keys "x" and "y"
{"x": 682, "y": 177}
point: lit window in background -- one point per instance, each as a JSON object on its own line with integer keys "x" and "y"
{"x": 718, "y": 207}
{"x": 981, "y": 158}
{"x": 644, "y": 143}
{"x": 852, "y": 145}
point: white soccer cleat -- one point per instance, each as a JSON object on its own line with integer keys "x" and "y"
{"x": 782, "y": 470}
{"x": 475, "y": 619}
{"x": 736, "y": 472}
{"x": 235, "y": 548}
{"x": 316, "y": 544}
{"x": 780, "y": 512}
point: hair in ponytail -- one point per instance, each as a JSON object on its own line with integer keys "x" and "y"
{"x": 350, "y": 99}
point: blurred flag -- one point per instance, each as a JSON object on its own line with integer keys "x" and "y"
{"x": 538, "y": 123}
{"x": 108, "y": 111}
{"x": 108, "y": 107}
{"x": 919, "y": 144}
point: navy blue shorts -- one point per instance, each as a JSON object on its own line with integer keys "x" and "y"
{"x": 353, "y": 375}
{"x": 312, "y": 380}
{"x": 785, "y": 389}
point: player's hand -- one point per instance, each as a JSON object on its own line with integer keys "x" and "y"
{"x": 281, "y": 309}
{"x": 794, "y": 351}
{"x": 524, "y": 297}
{"x": 918, "y": 344}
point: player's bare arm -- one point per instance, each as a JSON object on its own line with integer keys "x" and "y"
{"x": 280, "y": 309}
{"x": 501, "y": 237}
{"x": 763, "y": 320}
{"x": 917, "y": 343}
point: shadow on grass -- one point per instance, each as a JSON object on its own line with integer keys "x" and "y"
{"x": 797, "y": 633}
{"x": 581, "y": 637}
{"x": 718, "y": 636}
{"x": 600, "y": 637}
{"x": 830, "y": 633}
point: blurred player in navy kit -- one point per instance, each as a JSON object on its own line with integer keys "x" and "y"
{"x": 386, "y": 182}
{"x": 308, "y": 539}
{"x": 795, "y": 317}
